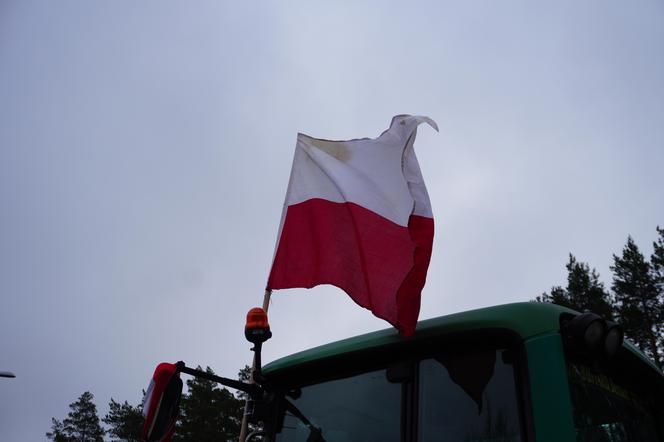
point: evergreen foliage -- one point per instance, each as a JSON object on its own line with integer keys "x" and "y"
{"x": 125, "y": 422}
{"x": 584, "y": 291}
{"x": 657, "y": 261}
{"x": 637, "y": 299}
{"x": 208, "y": 413}
{"x": 243, "y": 375}
{"x": 657, "y": 268}
{"x": 80, "y": 425}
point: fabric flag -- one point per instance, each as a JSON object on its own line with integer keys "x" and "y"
{"x": 357, "y": 215}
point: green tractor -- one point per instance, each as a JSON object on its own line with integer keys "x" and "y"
{"x": 518, "y": 372}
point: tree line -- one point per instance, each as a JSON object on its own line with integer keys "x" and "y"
{"x": 635, "y": 299}
{"x": 208, "y": 412}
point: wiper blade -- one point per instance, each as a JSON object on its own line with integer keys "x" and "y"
{"x": 315, "y": 433}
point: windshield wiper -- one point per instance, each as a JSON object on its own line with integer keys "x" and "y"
{"x": 315, "y": 433}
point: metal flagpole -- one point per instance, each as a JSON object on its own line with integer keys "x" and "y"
{"x": 245, "y": 423}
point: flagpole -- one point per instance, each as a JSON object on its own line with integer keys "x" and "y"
{"x": 245, "y": 423}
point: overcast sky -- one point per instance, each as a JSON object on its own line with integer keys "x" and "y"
{"x": 145, "y": 149}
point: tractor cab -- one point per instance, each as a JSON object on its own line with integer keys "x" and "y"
{"x": 533, "y": 372}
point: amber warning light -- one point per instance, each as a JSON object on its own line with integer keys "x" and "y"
{"x": 257, "y": 329}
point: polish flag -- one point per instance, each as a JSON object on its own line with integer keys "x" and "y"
{"x": 357, "y": 215}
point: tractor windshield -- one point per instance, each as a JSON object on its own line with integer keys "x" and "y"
{"x": 464, "y": 396}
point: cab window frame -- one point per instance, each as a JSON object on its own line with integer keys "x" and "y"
{"x": 412, "y": 352}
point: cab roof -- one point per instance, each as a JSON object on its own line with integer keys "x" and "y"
{"x": 526, "y": 319}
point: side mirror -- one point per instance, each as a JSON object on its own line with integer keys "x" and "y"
{"x": 161, "y": 403}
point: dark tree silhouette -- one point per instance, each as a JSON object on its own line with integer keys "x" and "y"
{"x": 80, "y": 425}
{"x": 657, "y": 262}
{"x": 125, "y": 422}
{"x": 243, "y": 375}
{"x": 208, "y": 413}
{"x": 657, "y": 267}
{"x": 584, "y": 291}
{"x": 638, "y": 302}
{"x": 637, "y": 298}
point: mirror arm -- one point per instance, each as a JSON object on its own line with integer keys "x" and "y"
{"x": 257, "y": 372}
{"x": 251, "y": 389}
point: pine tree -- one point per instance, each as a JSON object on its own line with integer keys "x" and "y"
{"x": 639, "y": 305}
{"x": 657, "y": 262}
{"x": 57, "y": 432}
{"x": 244, "y": 375}
{"x": 584, "y": 291}
{"x": 208, "y": 413}
{"x": 80, "y": 425}
{"x": 657, "y": 269}
{"x": 125, "y": 422}
{"x": 557, "y": 296}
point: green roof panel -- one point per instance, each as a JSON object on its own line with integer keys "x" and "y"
{"x": 526, "y": 319}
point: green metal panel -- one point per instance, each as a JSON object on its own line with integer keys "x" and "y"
{"x": 526, "y": 319}
{"x": 551, "y": 402}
